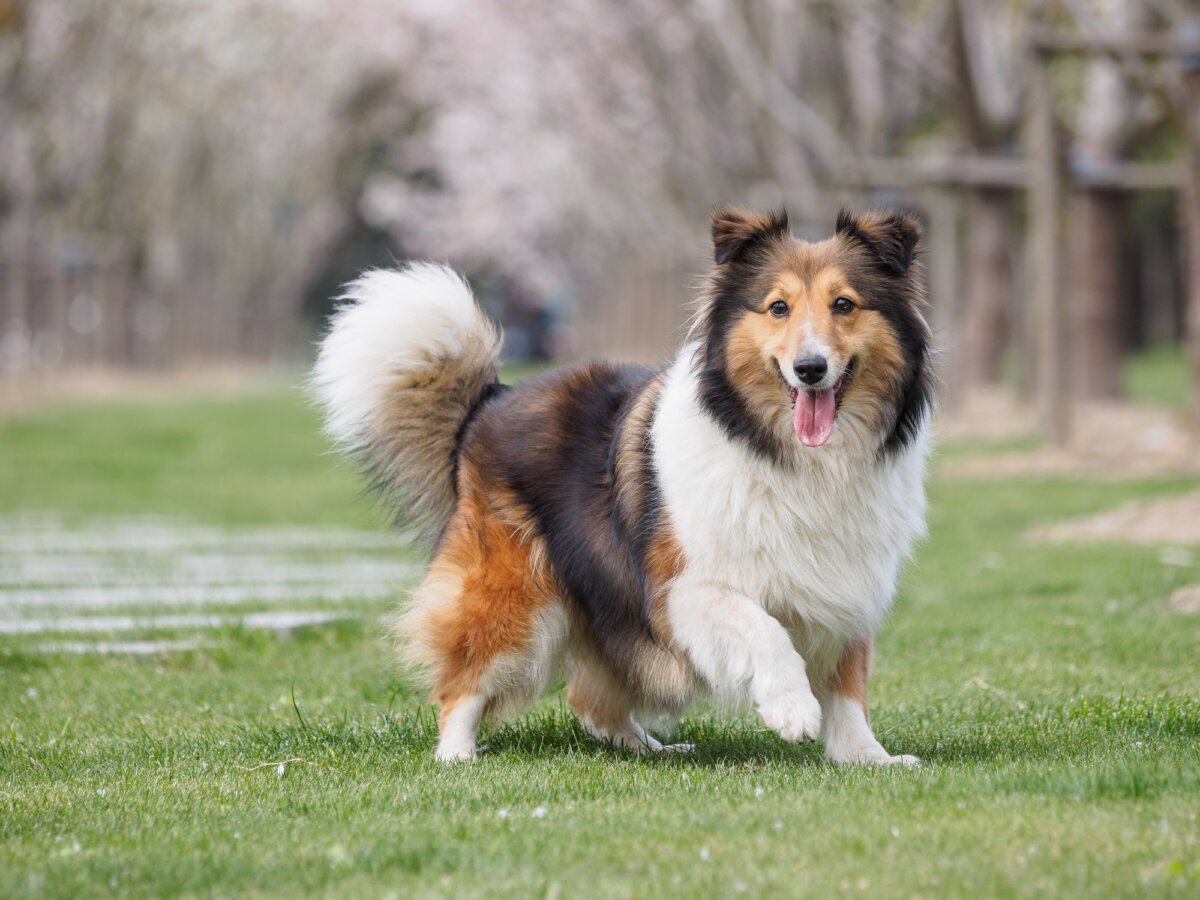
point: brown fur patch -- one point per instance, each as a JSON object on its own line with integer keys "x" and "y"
{"x": 663, "y": 562}
{"x": 632, "y": 456}
{"x": 668, "y": 675}
{"x": 480, "y": 600}
{"x": 880, "y": 368}
{"x": 735, "y": 229}
{"x": 849, "y": 677}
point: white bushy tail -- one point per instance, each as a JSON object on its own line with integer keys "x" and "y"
{"x": 408, "y": 355}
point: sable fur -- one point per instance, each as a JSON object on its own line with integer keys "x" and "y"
{"x": 409, "y": 355}
{"x": 655, "y": 534}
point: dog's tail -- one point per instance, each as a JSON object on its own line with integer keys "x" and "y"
{"x": 408, "y": 357}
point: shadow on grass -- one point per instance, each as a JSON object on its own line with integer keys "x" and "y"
{"x": 1106, "y": 740}
{"x": 1086, "y": 728}
{"x": 716, "y": 743}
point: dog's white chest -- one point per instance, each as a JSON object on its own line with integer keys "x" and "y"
{"x": 824, "y": 540}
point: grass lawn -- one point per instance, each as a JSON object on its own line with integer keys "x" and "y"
{"x": 1053, "y": 697}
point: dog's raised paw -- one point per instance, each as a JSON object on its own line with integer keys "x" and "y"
{"x": 795, "y": 715}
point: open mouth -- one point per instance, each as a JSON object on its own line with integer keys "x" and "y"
{"x": 814, "y": 411}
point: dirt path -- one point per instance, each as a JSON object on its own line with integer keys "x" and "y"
{"x": 1110, "y": 439}
{"x": 1174, "y": 520}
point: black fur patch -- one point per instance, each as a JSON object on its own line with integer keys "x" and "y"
{"x": 720, "y": 399}
{"x": 882, "y": 248}
{"x": 490, "y": 391}
{"x": 553, "y": 440}
{"x": 736, "y": 231}
{"x": 890, "y": 237}
{"x": 743, "y": 245}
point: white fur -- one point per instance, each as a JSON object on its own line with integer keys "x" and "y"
{"x": 518, "y": 678}
{"x": 741, "y": 650}
{"x": 407, "y": 320}
{"x": 459, "y": 730}
{"x": 813, "y": 345}
{"x": 849, "y": 739}
{"x": 817, "y": 545}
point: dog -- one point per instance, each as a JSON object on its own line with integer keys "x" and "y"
{"x": 733, "y": 524}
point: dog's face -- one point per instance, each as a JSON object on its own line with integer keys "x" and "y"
{"x": 797, "y": 336}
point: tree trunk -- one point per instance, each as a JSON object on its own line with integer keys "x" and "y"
{"x": 1192, "y": 217}
{"x": 1046, "y": 327}
{"x": 990, "y": 312}
{"x": 1095, "y": 296}
{"x": 1096, "y": 282}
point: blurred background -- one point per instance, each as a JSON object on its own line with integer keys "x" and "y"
{"x": 184, "y": 185}
{"x": 193, "y": 584}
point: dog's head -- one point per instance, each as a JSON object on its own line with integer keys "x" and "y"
{"x": 808, "y": 343}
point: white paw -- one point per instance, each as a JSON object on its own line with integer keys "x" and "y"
{"x": 652, "y": 746}
{"x": 454, "y": 754}
{"x": 794, "y": 715}
{"x": 642, "y": 742}
{"x": 872, "y": 756}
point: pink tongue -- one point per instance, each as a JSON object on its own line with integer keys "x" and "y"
{"x": 814, "y": 416}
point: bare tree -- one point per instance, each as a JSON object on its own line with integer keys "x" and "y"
{"x": 1104, "y": 133}
{"x": 985, "y": 50}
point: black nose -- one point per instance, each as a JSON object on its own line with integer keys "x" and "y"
{"x": 810, "y": 369}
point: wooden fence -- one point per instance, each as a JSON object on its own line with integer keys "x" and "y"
{"x": 84, "y": 307}
{"x": 75, "y": 311}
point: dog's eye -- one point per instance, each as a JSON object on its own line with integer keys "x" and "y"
{"x": 843, "y": 305}
{"x": 778, "y": 309}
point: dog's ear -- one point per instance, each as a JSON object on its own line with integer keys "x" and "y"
{"x": 734, "y": 231}
{"x": 891, "y": 237}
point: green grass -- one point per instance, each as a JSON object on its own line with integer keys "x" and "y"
{"x": 1054, "y": 699}
{"x": 1159, "y": 375}
{"x": 259, "y": 460}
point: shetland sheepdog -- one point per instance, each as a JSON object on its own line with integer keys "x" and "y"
{"x": 733, "y": 524}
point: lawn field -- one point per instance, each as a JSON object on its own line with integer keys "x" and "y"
{"x": 196, "y": 701}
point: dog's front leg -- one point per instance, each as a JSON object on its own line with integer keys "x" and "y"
{"x": 738, "y": 647}
{"x": 846, "y": 728}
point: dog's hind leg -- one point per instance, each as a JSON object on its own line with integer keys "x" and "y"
{"x": 488, "y": 623}
{"x": 459, "y": 727}
{"x": 604, "y": 705}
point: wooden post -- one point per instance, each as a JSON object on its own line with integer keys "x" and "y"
{"x": 1046, "y": 325}
{"x": 1191, "y": 197}
{"x": 945, "y": 289}
{"x": 1095, "y": 293}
